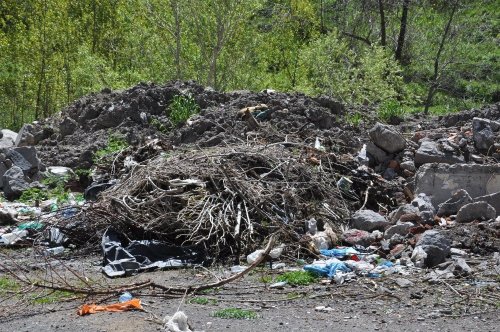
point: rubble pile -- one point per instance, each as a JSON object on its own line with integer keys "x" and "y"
{"x": 250, "y": 165}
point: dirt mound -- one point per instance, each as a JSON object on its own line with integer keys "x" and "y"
{"x": 142, "y": 112}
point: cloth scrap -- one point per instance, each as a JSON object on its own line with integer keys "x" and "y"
{"x": 87, "y": 309}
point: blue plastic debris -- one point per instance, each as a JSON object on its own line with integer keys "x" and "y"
{"x": 339, "y": 252}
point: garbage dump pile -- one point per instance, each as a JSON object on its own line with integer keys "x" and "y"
{"x": 367, "y": 199}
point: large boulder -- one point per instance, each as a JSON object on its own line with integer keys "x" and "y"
{"x": 14, "y": 183}
{"x": 429, "y": 152}
{"x": 476, "y": 211}
{"x": 387, "y": 138}
{"x": 432, "y": 248}
{"x": 368, "y": 220}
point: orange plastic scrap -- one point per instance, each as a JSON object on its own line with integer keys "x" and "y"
{"x": 87, "y": 309}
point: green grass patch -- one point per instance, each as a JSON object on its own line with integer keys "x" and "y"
{"x": 202, "y": 301}
{"x": 7, "y": 284}
{"x": 235, "y": 313}
{"x": 266, "y": 279}
{"x": 298, "y": 278}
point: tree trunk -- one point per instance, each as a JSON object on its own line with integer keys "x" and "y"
{"x": 435, "y": 77}
{"x": 174, "y": 4}
{"x": 402, "y": 30}
{"x": 383, "y": 38}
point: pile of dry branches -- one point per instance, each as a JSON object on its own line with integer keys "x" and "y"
{"x": 228, "y": 201}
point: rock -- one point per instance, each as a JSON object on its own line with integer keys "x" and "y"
{"x": 67, "y": 126}
{"x": 401, "y": 229}
{"x": 357, "y": 237}
{"x": 14, "y": 183}
{"x": 476, "y": 211}
{"x": 95, "y": 189}
{"x": 368, "y": 220}
{"x": 423, "y": 203}
{"x": 376, "y": 154}
{"x": 461, "y": 267}
{"x": 402, "y": 210}
{"x": 408, "y": 166}
{"x": 429, "y": 152}
{"x": 389, "y": 174}
{"x": 9, "y": 134}
{"x": 403, "y": 283}
{"x": 387, "y": 138}
{"x": 432, "y": 248}
{"x": 483, "y": 135}
{"x": 25, "y": 137}
{"x": 440, "y": 181}
{"x": 451, "y": 206}
{"x": 493, "y": 200}
{"x": 3, "y": 169}
{"x": 5, "y": 143}
{"x": 8, "y": 216}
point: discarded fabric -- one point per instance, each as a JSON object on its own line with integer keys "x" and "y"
{"x": 134, "y": 304}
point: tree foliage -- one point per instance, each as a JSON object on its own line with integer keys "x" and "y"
{"x": 54, "y": 51}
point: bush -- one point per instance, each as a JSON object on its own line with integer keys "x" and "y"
{"x": 182, "y": 108}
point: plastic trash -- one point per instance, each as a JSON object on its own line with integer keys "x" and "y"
{"x": 12, "y": 238}
{"x": 275, "y": 253}
{"x": 280, "y": 284}
{"x": 54, "y": 251}
{"x": 125, "y": 297}
{"x": 177, "y": 323}
{"x": 327, "y": 268}
{"x": 344, "y": 184}
{"x": 238, "y": 268}
{"x": 339, "y": 252}
{"x": 311, "y": 226}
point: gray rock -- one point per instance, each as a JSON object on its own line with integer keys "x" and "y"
{"x": 14, "y": 183}
{"x": 25, "y": 137}
{"x": 389, "y": 174}
{"x": 368, "y": 220}
{"x": 461, "y": 267}
{"x": 3, "y": 169}
{"x": 483, "y": 133}
{"x": 492, "y": 199}
{"x": 440, "y": 181}
{"x": 429, "y": 152}
{"x": 403, "y": 283}
{"x": 476, "y": 211}
{"x": 67, "y": 126}
{"x": 9, "y": 134}
{"x": 19, "y": 161}
{"x": 423, "y": 203}
{"x": 436, "y": 246}
{"x": 5, "y": 143}
{"x": 400, "y": 229}
{"x": 376, "y": 154}
{"x": 387, "y": 138}
{"x": 408, "y": 165}
{"x": 451, "y": 206}
{"x": 402, "y": 210}
{"x": 8, "y": 217}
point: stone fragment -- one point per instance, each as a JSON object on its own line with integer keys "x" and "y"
{"x": 429, "y": 152}
{"x": 400, "y": 229}
{"x": 451, "y": 206}
{"x": 432, "y": 248}
{"x": 357, "y": 237}
{"x": 402, "y": 210}
{"x": 387, "y": 138}
{"x": 403, "y": 283}
{"x": 476, "y": 211}
{"x": 408, "y": 165}
{"x": 376, "y": 154}
{"x": 483, "y": 133}
{"x": 14, "y": 183}
{"x": 7, "y": 216}
{"x": 368, "y": 220}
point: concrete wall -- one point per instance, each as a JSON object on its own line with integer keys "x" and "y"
{"x": 439, "y": 181}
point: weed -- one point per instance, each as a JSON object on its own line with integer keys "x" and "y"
{"x": 158, "y": 125}
{"x": 235, "y": 313}
{"x": 296, "y": 278}
{"x": 83, "y": 172}
{"x": 354, "y": 119}
{"x": 202, "y": 301}
{"x": 33, "y": 195}
{"x": 115, "y": 145}
{"x": 266, "y": 279}
{"x": 7, "y": 284}
{"x": 51, "y": 297}
{"x": 181, "y": 108}
{"x": 390, "y": 109}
